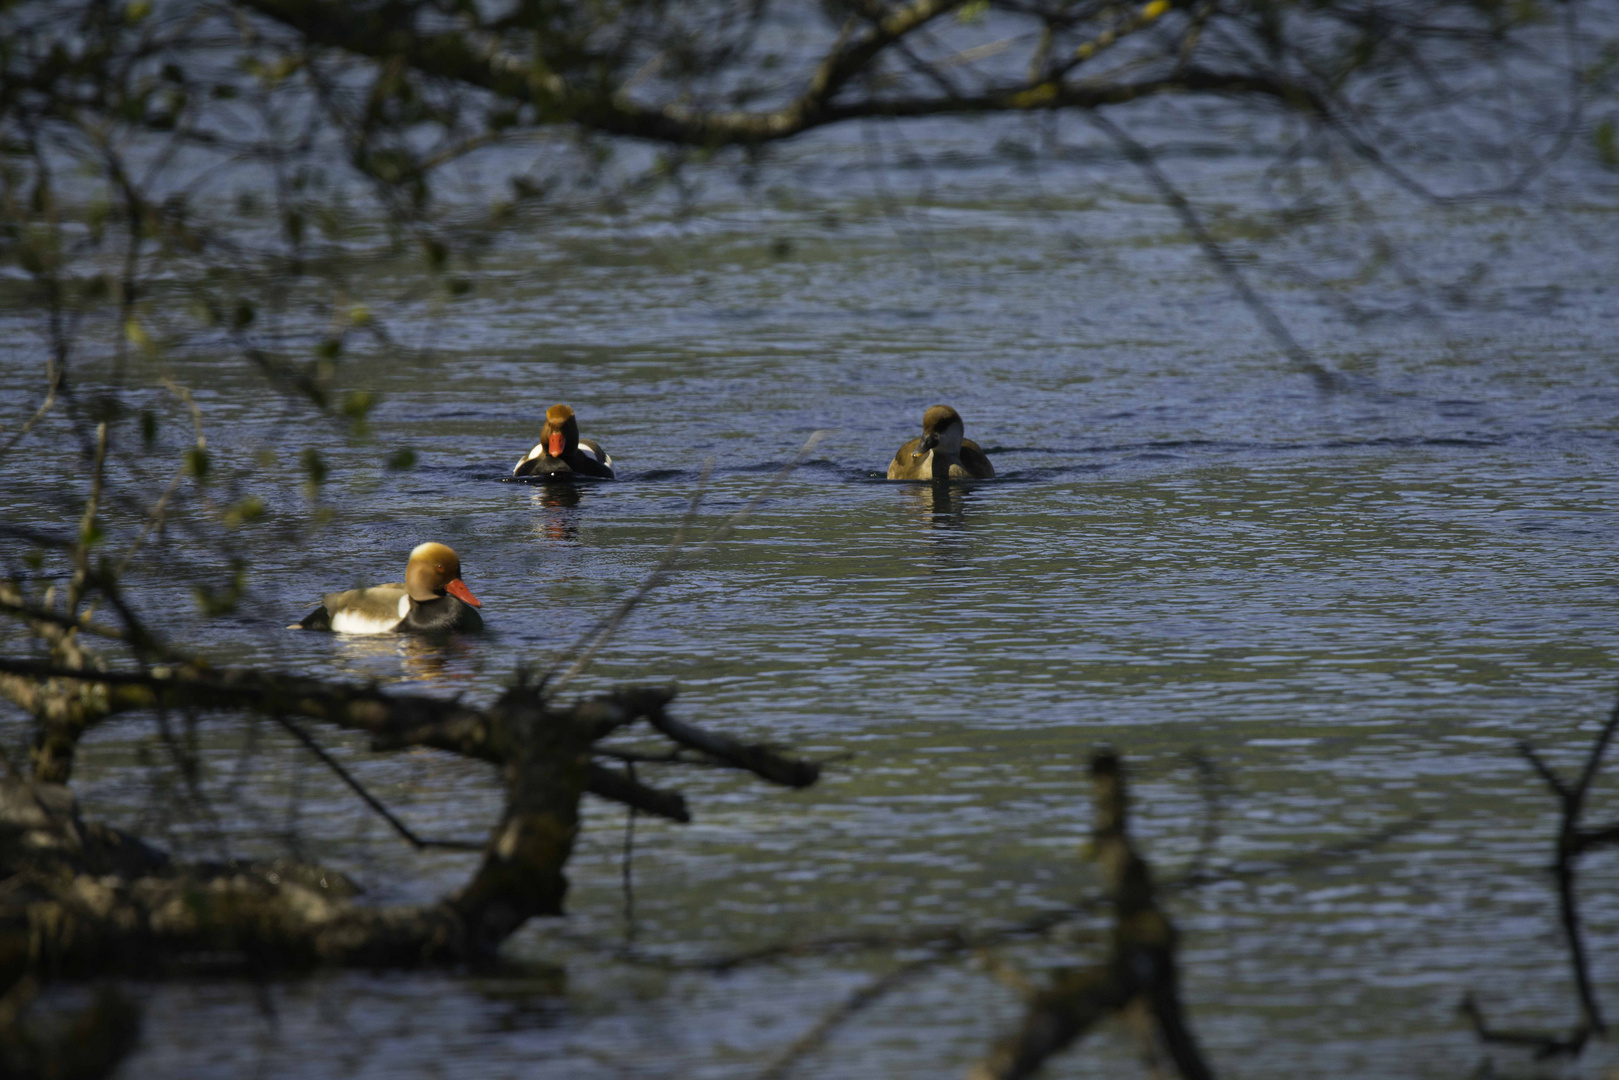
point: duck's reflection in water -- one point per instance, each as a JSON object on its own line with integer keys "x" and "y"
{"x": 426, "y": 657}
{"x": 554, "y": 501}
{"x": 942, "y": 505}
{"x": 943, "y": 510}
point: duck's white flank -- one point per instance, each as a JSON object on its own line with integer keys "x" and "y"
{"x": 539, "y": 448}
{"x": 353, "y": 622}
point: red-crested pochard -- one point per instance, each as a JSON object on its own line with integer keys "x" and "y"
{"x": 561, "y": 452}
{"x": 941, "y": 453}
{"x": 432, "y": 600}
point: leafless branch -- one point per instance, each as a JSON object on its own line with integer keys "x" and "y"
{"x": 1572, "y": 841}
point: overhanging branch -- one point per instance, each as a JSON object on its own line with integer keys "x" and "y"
{"x": 451, "y": 56}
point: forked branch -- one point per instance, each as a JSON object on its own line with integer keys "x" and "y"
{"x": 1572, "y": 842}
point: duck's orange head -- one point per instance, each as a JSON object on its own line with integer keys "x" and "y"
{"x": 434, "y": 570}
{"x": 561, "y": 431}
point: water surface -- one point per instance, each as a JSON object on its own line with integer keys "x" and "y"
{"x": 1352, "y": 605}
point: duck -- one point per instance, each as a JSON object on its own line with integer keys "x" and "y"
{"x": 432, "y": 600}
{"x": 941, "y": 453}
{"x": 561, "y": 452}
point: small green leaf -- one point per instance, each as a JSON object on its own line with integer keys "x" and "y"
{"x": 197, "y": 464}
{"x": 1606, "y": 138}
{"x": 148, "y": 427}
{"x": 972, "y": 12}
{"x": 330, "y": 349}
{"x": 358, "y": 403}
{"x": 315, "y": 466}
{"x": 242, "y": 317}
{"x": 402, "y": 459}
{"x": 248, "y": 510}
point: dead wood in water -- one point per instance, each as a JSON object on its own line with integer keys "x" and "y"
{"x": 1137, "y": 981}
{"x": 81, "y": 899}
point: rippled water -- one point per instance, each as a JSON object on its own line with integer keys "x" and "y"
{"x": 1352, "y": 605}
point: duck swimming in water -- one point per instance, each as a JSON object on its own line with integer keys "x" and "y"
{"x": 561, "y": 452}
{"x": 941, "y": 453}
{"x": 432, "y": 600}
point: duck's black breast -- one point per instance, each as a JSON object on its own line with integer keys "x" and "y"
{"x": 543, "y": 465}
{"x": 590, "y": 464}
{"x": 564, "y": 467}
{"x": 444, "y": 615}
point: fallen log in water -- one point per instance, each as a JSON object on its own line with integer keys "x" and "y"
{"x": 82, "y": 899}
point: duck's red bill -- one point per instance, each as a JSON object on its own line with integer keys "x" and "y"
{"x": 459, "y": 590}
{"x": 556, "y": 444}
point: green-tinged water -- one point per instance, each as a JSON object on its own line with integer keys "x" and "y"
{"x": 1351, "y": 605}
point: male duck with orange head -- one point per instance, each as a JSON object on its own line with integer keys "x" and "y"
{"x": 941, "y": 453}
{"x": 562, "y": 453}
{"x": 432, "y": 600}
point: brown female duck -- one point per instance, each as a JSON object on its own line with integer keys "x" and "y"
{"x": 941, "y": 453}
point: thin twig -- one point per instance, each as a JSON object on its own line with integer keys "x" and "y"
{"x": 1588, "y": 774}
{"x": 840, "y": 1014}
{"x": 944, "y": 941}
{"x": 594, "y": 638}
{"x": 155, "y": 518}
{"x": 1212, "y": 787}
{"x": 35, "y": 613}
{"x": 87, "y": 523}
{"x": 370, "y": 800}
{"x": 1545, "y": 772}
{"x": 672, "y": 561}
{"x": 1572, "y": 841}
{"x": 53, "y": 379}
{"x": 629, "y": 864}
{"x": 1324, "y": 379}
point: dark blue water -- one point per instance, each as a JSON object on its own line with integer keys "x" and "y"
{"x": 1352, "y": 604}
